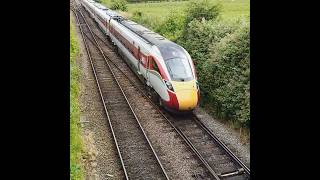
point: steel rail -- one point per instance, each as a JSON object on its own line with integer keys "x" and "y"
{"x": 136, "y": 118}
{"x": 100, "y": 92}
{"x": 222, "y": 145}
{"x": 101, "y": 96}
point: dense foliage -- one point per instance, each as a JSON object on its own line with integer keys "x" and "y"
{"x": 199, "y": 35}
{"x": 225, "y": 76}
{"x": 172, "y": 26}
{"x": 119, "y": 5}
{"x": 203, "y": 9}
{"x": 221, "y": 52}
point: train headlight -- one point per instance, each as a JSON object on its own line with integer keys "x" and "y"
{"x": 169, "y": 85}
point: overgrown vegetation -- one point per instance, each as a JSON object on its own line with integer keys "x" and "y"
{"x": 172, "y": 27}
{"x": 199, "y": 35}
{"x": 221, "y": 51}
{"x": 119, "y": 5}
{"x": 76, "y": 148}
{"x": 225, "y": 77}
{"x": 204, "y": 9}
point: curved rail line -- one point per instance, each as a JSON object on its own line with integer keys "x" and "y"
{"x": 240, "y": 169}
{"x": 216, "y": 154}
{"x": 221, "y": 144}
{"x": 142, "y": 167}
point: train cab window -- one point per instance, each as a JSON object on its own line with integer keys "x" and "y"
{"x": 154, "y": 65}
{"x": 176, "y": 61}
{"x": 179, "y": 69}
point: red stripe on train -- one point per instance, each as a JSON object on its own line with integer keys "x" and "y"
{"x": 173, "y": 101}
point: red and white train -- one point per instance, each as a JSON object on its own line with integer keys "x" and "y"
{"x": 164, "y": 66}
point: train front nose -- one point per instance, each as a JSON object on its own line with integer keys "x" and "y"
{"x": 187, "y": 95}
{"x": 187, "y": 99}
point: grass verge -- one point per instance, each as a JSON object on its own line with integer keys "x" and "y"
{"x": 76, "y": 148}
{"x": 231, "y": 9}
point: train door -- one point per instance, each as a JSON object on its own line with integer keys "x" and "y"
{"x": 157, "y": 88}
{"x": 139, "y": 60}
{"x": 152, "y": 72}
{"x": 109, "y": 27}
{"x": 106, "y": 27}
{"x": 147, "y": 70}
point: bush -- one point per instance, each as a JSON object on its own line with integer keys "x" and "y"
{"x": 202, "y": 9}
{"x": 199, "y": 35}
{"x": 220, "y": 51}
{"x": 119, "y": 5}
{"x": 227, "y": 76}
{"x": 171, "y": 27}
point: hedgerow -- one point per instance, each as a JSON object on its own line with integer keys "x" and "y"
{"x": 198, "y": 35}
{"x": 119, "y": 5}
{"x": 172, "y": 26}
{"x": 202, "y": 9}
{"x": 225, "y": 76}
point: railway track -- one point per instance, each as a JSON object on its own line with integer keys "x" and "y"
{"x": 137, "y": 156}
{"x": 218, "y": 160}
{"x": 216, "y": 154}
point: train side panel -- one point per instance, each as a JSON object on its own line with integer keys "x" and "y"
{"x": 131, "y": 46}
{"x": 152, "y": 78}
{"x": 158, "y": 85}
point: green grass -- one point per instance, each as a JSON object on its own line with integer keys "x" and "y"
{"x": 231, "y": 9}
{"x": 76, "y": 148}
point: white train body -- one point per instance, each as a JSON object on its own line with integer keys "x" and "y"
{"x": 163, "y": 65}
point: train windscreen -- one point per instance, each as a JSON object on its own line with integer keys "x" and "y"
{"x": 179, "y": 69}
{"x": 177, "y": 62}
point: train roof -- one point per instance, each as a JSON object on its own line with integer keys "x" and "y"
{"x": 167, "y": 48}
{"x": 171, "y": 50}
{"x": 100, "y": 6}
{"x": 112, "y": 13}
{"x": 148, "y": 35}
